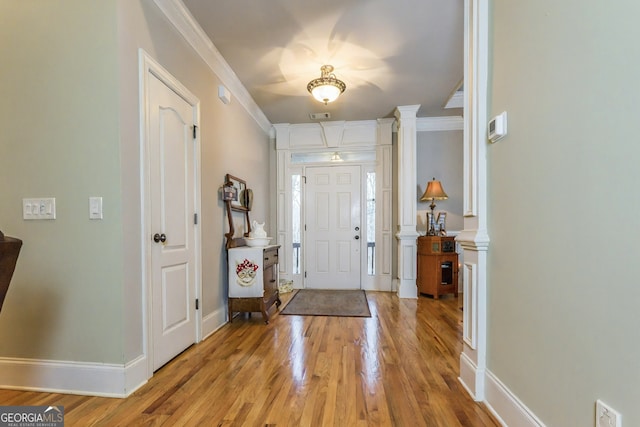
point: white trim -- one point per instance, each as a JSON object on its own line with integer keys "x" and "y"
{"x": 135, "y": 374}
{"x": 93, "y": 379}
{"x": 147, "y": 65}
{"x": 456, "y": 100}
{"x": 214, "y": 321}
{"x": 469, "y": 321}
{"x": 406, "y": 201}
{"x": 474, "y": 239}
{"x": 177, "y": 13}
{"x": 471, "y": 378}
{"x": 506, "y": 407}
{"x": 363, "y": 136}
{"x": 432, "y": 124}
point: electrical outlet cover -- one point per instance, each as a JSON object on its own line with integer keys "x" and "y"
{"x": 606, "y": 416}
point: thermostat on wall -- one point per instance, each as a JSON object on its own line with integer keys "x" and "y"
{"x": 498, "y": 127}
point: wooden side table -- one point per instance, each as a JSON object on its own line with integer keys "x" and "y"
{"x": 437, "y": 266}
{"x": 253, "y": 280}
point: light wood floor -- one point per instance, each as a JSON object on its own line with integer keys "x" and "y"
{"x": 397, "y": 368}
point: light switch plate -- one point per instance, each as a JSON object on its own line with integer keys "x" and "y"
{"x": 95, "y": 207}
{"x": 40, "y": 208}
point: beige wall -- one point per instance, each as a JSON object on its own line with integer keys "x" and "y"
{"x": 563, "y": 292}
{"x": 70, "y": 125}
{"x": 231, "y": 142}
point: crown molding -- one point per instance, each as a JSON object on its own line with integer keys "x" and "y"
{"x": 431, "y": 124}
{"x": 178, "y": 14}
{"x": 456, "y": 100}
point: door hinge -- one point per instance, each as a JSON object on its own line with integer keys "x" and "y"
{"x": 304, "y": 179}
{"x": 194, "y": 131}
{"x": 197, "y": 304}
{"x": 195, "y": 218}
{"x": 305, "y": 274}
{"x": 305, "y": 227}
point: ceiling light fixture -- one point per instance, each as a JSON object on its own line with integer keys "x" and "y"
{"x": 327, "y": 88}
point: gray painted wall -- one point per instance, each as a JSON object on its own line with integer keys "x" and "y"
{"x": 70, "y": 120}
{"x": 439, "y": 154}
{"x": 60, "y": 139}
{"x": 563, "y": 214}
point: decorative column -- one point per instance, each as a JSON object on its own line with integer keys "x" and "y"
{"x": 407, "y": 199}
{"x": 384, "y": 205}
{"x": 282, "y": 217}
{"x": 474, "y": 239}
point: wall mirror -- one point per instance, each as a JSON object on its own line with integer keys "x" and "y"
{"x": 235, "y": 192}
{"x": 236, "y": 197}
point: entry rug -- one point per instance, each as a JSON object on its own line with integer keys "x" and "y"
{"x": 314, "y": 302}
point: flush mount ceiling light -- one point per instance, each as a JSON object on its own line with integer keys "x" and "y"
{"x": 327, "y": 88}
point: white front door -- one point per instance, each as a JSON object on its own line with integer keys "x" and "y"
{"x": 333, "y": 229}
{"x": 172, "y": 169}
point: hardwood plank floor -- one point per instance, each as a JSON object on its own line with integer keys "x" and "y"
{"x": 397, "y": 368}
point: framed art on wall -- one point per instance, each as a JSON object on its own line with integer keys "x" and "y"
{"x": 235, "y": 188}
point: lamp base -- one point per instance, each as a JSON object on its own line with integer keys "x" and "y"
{"x": 431, "y": 221}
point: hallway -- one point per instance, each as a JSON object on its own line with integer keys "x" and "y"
{"x": 397, "y": 368}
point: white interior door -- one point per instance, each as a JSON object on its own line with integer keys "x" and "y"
{"x": 172, "y": 159}
{"x": 333, "y": 229}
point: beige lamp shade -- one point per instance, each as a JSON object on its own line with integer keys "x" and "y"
{"x": 433, "y": 192}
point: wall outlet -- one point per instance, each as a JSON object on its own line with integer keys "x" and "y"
{"x": 606, "y": 416}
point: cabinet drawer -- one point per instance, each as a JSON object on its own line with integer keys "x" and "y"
{"x": 270, "y": 257}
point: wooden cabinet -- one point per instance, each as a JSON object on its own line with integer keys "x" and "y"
{"x": 437, "y": 266}
{"x": 253, "y": 280}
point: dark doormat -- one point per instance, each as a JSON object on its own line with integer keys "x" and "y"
{"x": 314, "y": 302}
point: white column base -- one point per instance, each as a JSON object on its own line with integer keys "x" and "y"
{"x": 407, "y": 265}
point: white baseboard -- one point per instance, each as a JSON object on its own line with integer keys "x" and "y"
{"x": 90, "y": 379}
{"x": 136, "y": 374}
{"x": 93, "y": 379}
{"x": 472, "y": 378}
{"x": 506, "y": 406}
{"x": 213, "y": 321}
{"x": 375, "y": 288}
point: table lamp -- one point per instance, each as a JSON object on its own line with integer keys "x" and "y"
{"x": 433, "y": 192}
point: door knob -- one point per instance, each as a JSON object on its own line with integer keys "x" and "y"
{"x": 159, "y": 238}
{"x": 357, "y": 228}
{"x": 357, "y": 237}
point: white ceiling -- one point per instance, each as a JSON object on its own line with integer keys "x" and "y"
{"x": 388, "y": 52}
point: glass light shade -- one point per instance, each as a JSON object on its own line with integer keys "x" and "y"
{"x": 325, "y": 93}
{"x": 326, "y": 88}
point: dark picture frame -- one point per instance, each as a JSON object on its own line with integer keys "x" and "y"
{"x": 229, "y": 193}
{"x": 441, "y": 224}
{"x": 235, "y": 186}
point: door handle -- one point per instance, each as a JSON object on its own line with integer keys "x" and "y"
{"x": 357, "y": 237}
{"x": 159, "y": 238}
